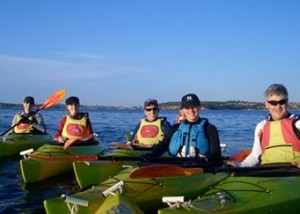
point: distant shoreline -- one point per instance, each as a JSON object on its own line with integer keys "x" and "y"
{"x": 210, "y": 105}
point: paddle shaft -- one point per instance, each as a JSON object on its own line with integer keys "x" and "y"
{"x": 166, "y": 170}
{"x": 10, "y": 128}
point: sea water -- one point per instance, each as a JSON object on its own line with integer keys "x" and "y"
{"x": 236, "y": 130}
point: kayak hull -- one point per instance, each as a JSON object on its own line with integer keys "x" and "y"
{"x": 91, "y": 173}
{"x": 145, "y": 192}
{"x": 52, "y": 160}
{"x": 247, "y": 195}
{"x": 119, "y": 203}
{"x": 94, "y": 172}
{"x": 13, "y": 144}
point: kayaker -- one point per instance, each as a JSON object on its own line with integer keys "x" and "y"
{"x": 192, "y": 137}
{"x": 180, "y": 116}
{"x": 276, "y": 138}
{"x": 75, "y": 127}
{"x": 151, "y": 129}
{"x": 27, "y": 121}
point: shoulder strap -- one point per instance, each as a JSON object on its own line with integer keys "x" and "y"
{"x": 85, "y": 114}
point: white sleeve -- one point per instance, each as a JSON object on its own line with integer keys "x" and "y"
{"x": 297, "y": 124}
{"x": 252, "y": 158}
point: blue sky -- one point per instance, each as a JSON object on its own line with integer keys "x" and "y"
{"x": 121, "y": 52}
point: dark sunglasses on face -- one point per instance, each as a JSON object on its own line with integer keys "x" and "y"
{"x": 275, "y": 103}
{"x": 151, "y": 109}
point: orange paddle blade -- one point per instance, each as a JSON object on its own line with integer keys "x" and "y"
{"x": 153, "y": 171}
{"x": 240, "y": 156}
{"x": 121, "y": 145}
{"x": 53, "y": 99}
{"x": 69, "y": 143}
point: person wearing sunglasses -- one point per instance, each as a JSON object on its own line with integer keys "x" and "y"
{"x": 27, "y": 121}
{"x": 151, "y": 129}
{"x": 277, "y": 138}
{"x": 192, "y": 137}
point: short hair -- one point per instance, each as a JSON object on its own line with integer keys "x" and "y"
{"x": 276, "y": 89}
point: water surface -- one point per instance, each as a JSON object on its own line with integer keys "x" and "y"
{"x": 236, "y": 130}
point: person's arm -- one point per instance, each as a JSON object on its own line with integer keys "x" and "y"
{"x": 14, "y": 122}
{"x": 39, "y": 123}
{"x": 297, "y": 128}
{"x": 133, "y": 136}
{"x": 89, "y": 131}
{"x": 58, "y": 135}
{"x": 253, "y": 158}
{"x": 214, "y": 154}
{"x": 163, "y": 146}
{"x": 166, "y": 126}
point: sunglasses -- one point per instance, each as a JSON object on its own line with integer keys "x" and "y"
{"x": 151, "y": 109}
{"x": 275, "y": 103}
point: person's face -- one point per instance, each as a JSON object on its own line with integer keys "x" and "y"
{"x": 27, "y": 107}
{"x": 151, "y": 112}
{"x": 277, "y": 106}
{"x": 191, "y": 113}
{"x": 73, "y": 109}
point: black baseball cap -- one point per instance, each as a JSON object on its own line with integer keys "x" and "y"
{"x": 190, "y": 100}
{"x": 72, "y": 100}
{"x": 29, "y": 99}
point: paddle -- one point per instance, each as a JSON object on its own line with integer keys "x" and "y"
{"x": 66, "y": 159}
{"x": 190, "y": 162}
{"x": 171, "y": 170}
{"x": 52, "y": 100}
{"x": 69, "y": 142}
{"x": 164, "y": 171}
{"x": 133, "y": 146}
{"x": 121, "y": 145}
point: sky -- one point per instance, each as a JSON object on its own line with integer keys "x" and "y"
{"x": 121, "y": 52}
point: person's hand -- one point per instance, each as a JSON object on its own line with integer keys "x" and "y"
{"x": 25, "y": 119}
{"x": 233, "y": 163}
{"x": 61, "y": 139}
{"x": 147, "y": 157}
{"x": 296, "y": 164}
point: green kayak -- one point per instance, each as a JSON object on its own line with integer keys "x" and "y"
{"x": 119, "y": 203}
{"x": 247, "y": 195}
{"x": 144, "y": 192}
{"x": 89, "y": 173}
{"x": 51, "y": 160}
{"x": 12, "y": 144}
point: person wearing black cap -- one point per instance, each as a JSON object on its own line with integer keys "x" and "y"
{"x": 152, "y": 128}
{"x": 28, "y": 122}
{"x": 192, "y": 137}
{"x": 75, "y": 126}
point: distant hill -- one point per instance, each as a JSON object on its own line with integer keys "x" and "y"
{"x": 233, "y": 105}
{"x": 212, "y": 105}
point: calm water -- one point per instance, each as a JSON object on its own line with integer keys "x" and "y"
{"x": 235, "y": 129}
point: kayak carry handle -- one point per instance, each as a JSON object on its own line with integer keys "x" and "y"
{"x": 172, "y": 199}
{"x": 75, "y": 201}
{"x": 176, "y": 201}
{"x": 26, "y": 153}
{"x": 112, "y": 189}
